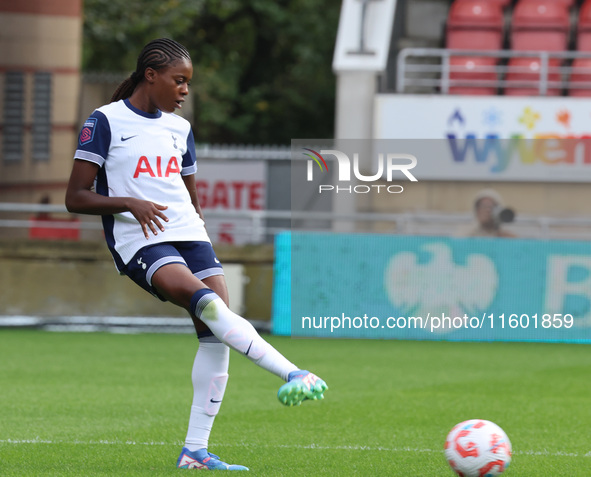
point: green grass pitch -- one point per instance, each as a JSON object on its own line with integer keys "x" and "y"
{"x": 117, "y": 405}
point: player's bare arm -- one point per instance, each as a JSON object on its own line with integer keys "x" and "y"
{"x": 81, "y": 199}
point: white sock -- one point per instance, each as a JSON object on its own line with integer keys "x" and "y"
{"x": 238, "y": 334}
{"x": 210, "y": 375}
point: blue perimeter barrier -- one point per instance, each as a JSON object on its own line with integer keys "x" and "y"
{"x": 438, "y": 288}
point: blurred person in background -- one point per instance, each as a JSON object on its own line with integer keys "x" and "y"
{"x": 490, "y": 214}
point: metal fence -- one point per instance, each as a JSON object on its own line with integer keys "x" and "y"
{"x": 259, "y": 224}
{"x": 429, "y": 70}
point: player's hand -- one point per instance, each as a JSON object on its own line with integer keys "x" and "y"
{"x": 148, "y": 214}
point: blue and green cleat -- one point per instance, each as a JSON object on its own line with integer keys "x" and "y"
{"x": 201, "y": 459}
{"x": 301, "y": 385}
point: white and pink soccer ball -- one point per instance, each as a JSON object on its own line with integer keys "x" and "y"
{"x": 477, "y": 448}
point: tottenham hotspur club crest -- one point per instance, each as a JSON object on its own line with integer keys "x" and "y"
{"x": 139, "y": 262}
{"x": 174, "y": 139}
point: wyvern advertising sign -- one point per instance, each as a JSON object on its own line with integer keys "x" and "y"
{"x": 490, "y": 138}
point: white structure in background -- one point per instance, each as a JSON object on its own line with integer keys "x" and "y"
{"x": 360, "y": 58}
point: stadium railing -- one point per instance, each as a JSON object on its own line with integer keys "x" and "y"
{"x": 410, "y": 223}
{"x": 430, "y": 70}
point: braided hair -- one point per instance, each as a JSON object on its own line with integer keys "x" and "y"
{"x": 157, "y": 54}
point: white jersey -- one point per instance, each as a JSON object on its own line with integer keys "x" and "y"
{"x": 142, "y": 155}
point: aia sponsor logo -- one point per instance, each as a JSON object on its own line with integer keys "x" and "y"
{"x": 156, "y": 167}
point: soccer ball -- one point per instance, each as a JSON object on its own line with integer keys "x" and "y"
{"x": 477, "y": 448}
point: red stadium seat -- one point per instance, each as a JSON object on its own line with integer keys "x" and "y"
{"x": 503, "y": 3}
{"x": 567, "y": 3}
{"x": 584, "y": 27}
{"x": 526, "y": 73}
{"x": 540, "y": 25}
{"x": 580, "y": 78}
{"x": 473, "y": 75}
{"x": 475, "y": 25}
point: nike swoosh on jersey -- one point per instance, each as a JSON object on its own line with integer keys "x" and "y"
{"x": 127, "y": 138}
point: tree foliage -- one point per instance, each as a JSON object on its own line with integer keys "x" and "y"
{"x": 262, "y": 68}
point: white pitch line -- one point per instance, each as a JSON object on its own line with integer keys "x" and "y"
{"x": 38, "y": 440}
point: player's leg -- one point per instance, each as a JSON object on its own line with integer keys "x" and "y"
{"x": 241, "y": 336}
{"x": 198, "y": 295}
{"x": 209, "y": 376}
{"x": 162, "y": 270}
{"x": 301, "y": 384}
{"x": 177, "y": 284}
{"x": 217, "y": 283}
{"x": 210, "y": 368}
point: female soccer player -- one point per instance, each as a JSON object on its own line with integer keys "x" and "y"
{"x": 140, "y": 159}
